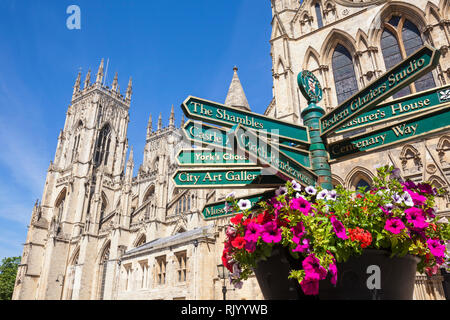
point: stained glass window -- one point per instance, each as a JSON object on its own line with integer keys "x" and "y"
{"x": 344, "y": 74}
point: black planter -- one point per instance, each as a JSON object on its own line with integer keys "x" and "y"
{"x": 397, "y": 278}
{"x": 272, "y": 276}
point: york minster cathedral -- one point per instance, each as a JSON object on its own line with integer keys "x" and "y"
{"x": 108, "y": 228}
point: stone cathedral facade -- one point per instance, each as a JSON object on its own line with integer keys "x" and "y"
{"x": 101, "y": 232}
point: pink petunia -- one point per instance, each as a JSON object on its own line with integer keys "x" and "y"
{"x": 333, "y": 271}
{"x": 311, "y": 264}
{"x": 418, "y": 199}
{"x": 298, "y": 231}
{"x": 301, "y": 205}
{"x": 253, "y": 232}
{"x": 271, "y": 233}
{"x": 437, "y": 249}
{"x": 416, "y": 217}
{"x": 310, "y": 284}
{"x": 394, "y": 225}
{"x": 339, "y": 229}
{"x": 302, "y": 248}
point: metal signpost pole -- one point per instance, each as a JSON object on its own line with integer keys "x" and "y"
{"x": 311, "y": 89}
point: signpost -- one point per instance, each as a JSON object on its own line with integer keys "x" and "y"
{"x": 400, "y": 76}
{"x": 253, "y": 177}
{"x": 411, "y": 105}
{"x": 214, "y": 137}
{"x": 208, "y": 111}
{"x": 399, "y": 132}
{"x": 254, "y": 151}
{"x": 267, "y": 154}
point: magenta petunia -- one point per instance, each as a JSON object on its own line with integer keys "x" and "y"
{"x": 334, "y": 272}
{"x": 437, "y": 249}
{"x": 253, "y": 232}
{"x": 298, "y": 232}
{"x": 311, "y": 264}
{"x": 310, "y": 284}
{"x": 301, "y": 205}
{"x": 250, "y": 246}
{"x": 271, "y": 233}
{"x": 394, "y": 225}
{"x": 339, "y": 229}
{"x": 416, "y": 217}
{"x": 418, "y": 199}
{"x": 302, "y": 248}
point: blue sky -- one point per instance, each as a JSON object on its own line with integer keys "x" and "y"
{"x": 172, "y": 49}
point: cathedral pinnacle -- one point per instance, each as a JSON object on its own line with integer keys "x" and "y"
{"x": 87, "y": 82}
{"x": 149, "y": 127}
{"x": 99, "y": 79}
{"x": 76, "y": 87}
{"x": 172, "y": 118}
{"x": 182, "y": 121}
{"x": 129, "y": 89}
{"x": 160, "y": 121}
{"x": 115, "y": 83}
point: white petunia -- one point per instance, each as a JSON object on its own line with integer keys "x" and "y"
{"x": 322, "y": 194}
{"x": 244, "y": 204}
{"x": 311, "y": 190}
{"x": 280, "y": 191}
{"x": 408, "y": 199}
{"x": 332, "y": 195}
{"x": 296, "y": 186}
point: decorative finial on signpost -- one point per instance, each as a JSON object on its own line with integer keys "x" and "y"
{"x": 312, "y": 90}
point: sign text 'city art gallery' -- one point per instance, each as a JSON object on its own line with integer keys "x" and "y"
{"x": 409, "y": 70}
{"x": 252, "y": 177}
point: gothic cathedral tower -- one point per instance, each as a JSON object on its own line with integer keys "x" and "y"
{"x": 85, "y": 178}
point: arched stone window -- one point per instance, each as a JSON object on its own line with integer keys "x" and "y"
{"x": 411, "y": 160}
{"x": 149, "y": 194}
{"x": 344, "y": 74}
{"x": 141, "y": 241}
{"x": 59, "y": 205}
{"x": 72, "y": 273}
{"x": 319, "y": 17}
{"x": 101, "y": 152}
{"x": 103, "y": 266}
{"x": 362, "y": 183}
{"x": 443, "y": 150}
{"x": 400, "y": 39}
{"x": 76, "y": 142}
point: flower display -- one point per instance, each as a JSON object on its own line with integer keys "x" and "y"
{"x": 322, "y": 228}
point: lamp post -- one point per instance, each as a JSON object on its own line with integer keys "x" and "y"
{"x": 223, "y": 274}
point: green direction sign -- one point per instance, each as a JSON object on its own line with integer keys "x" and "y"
{"x": 408, "y": 71}
{"x": 410, "y": 128}
{"x": 217, "y": 210}
{"x": 212, "y": 136}
{"x": 283, "y": 166}
{"x": 252, "y": 177}
{"x": 406, "y": 106}
{"x": 204, "y": 157}
{"x": 208, "y": 111}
